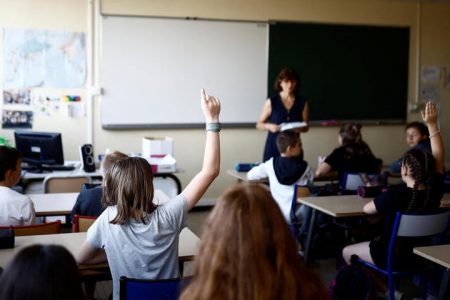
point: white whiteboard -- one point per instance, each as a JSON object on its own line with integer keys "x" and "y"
{"x": 152, "y": 69}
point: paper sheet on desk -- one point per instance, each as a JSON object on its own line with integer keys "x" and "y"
{"x": 292, "y": 125}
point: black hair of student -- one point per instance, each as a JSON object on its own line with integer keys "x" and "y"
{"x": 41, "y": 272}
{"x": 423, "y": 129}
{"x": 421, "y": 166}
{"x": 352, "y": 141}
{"x": 288, "y": 74}
{"x": 8, "y": 160}
{"x": 286, "y": 139}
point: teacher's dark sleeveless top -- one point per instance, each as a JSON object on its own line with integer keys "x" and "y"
{"x": 279, "y": 115}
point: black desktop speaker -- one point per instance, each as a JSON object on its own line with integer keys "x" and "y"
{"x": 87, "y": 158}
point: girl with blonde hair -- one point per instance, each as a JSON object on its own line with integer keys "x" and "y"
{"x": 139, "y": 238}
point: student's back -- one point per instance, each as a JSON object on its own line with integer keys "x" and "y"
{"x": 247, "y": 252}
{"x": 15, "y": 209}
{"x": 89, "y": 201}
{"x": 140, "y": 238}
{"x": 352, "y": 156}
{"x": 285, "y": 171}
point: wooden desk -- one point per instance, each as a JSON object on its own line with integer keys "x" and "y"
{"x": 53, "y": 204}
{"x": 187, "y": 248}
{"x": 242, "y": 176}
{"x": 347, "y": 205}
{"x": 440, "y": 255}
{"x": 339, "y": 207}
{"x": 62, "y": 203}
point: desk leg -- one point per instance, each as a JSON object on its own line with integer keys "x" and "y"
{"x": 444, "y": 284}
{"x": 312, "y": 224}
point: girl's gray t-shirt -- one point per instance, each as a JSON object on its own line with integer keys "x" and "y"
{"x": 138, "y": 250}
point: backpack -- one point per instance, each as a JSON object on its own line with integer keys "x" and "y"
{"x": 352, "y": 282}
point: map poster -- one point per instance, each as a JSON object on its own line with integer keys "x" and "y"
{"x": 43, "y": 58}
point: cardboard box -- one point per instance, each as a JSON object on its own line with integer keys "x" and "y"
{"x": 165, "y": 164}
{"x": 156, "y": 147}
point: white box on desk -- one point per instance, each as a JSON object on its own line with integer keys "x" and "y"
{"x": 165, "y": 164}
{"x": 153, "y": 146}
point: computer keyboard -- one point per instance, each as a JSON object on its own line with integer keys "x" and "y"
{"x": 58, "y": 167}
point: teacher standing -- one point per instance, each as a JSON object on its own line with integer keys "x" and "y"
{"x": 286, "y": 106}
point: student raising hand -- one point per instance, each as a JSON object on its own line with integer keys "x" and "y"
{"x": 210, "y": 107}
{"x": 429, "y": 116}
{"x": 140, "y": 239}
{"x": 211, "y": 159}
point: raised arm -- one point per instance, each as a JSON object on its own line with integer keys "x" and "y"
{"x": 429, "y": 116}
{"x": 262, "y": 123}
{"x": 211, "y": 159}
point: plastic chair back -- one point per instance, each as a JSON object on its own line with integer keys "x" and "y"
{"x": 410, "y": 225}
{"x": 140, "y": 289}
{"x": 37, "y": 229}
{"x": 299, "y": 191}
{"x": 351, "y": 181}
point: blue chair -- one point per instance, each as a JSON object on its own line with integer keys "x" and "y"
{"x": 409, "y": 225}
{"x": 351, "y": 181}
{"x": 145, "y": 289}
{"x": 299, "y": 191}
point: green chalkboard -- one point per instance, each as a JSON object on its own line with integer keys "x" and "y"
{"x": 347, "y": 72}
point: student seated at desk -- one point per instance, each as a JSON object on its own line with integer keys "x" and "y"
{"x": 41, "y": 272}
{"x": 416, "y": 138}
{"x": 422, "y": 174}
{"x": 15, "y": 209}
{"x": 352, "y": 156}
{"x": 141, "y": 239}
{"x": 247, "y": 252}
{"x": 89, "y": 201}
{"x": 285, "y": 171}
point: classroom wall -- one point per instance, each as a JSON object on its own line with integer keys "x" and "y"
{"x": 387, "y": 142}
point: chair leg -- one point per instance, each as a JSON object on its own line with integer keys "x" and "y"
{"x": 181, "y": 268}
{"x": 444, "y": 284}
{"x": 391, "y": 287}
{"x": 89, "y": 289}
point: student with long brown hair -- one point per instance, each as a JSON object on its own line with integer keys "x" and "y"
{"x": 141, "y": 239}
{"x": 248, "y": 252}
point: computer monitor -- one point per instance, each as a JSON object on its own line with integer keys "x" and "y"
{"x": 40, "y": 148}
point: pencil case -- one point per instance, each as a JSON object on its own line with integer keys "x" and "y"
{"x": 244, "y": 167}
{"x": 370, "y": 191}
